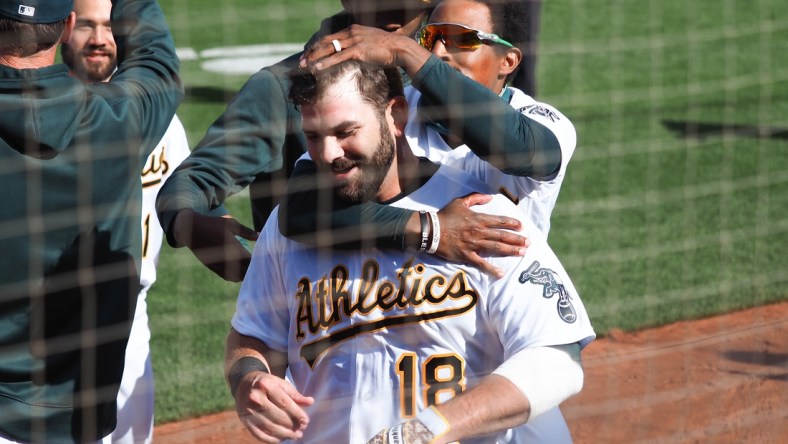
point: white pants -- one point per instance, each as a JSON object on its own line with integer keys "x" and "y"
{"x": 136, "y": 395}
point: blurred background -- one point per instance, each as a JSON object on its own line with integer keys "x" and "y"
{"x": 675, "y": 204}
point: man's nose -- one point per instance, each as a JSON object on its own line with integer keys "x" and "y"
{"x": 331, "y": 150}
{"x": 100, "y": 36}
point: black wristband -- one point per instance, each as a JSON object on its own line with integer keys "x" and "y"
{"x": 243, "y": 367}
{"x": 425, "y": 231}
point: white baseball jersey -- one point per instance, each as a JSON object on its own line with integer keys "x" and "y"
{"x": 136, "y": 395}
{"x": 536, "y": 197}
{"x": 376, "y": 336}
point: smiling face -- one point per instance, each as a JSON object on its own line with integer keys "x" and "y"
{"x": 351, "y": 141}
{"x": 93, "y": 54}
{"x": 488, "y": 64}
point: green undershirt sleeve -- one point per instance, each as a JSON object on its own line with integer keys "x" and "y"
{"x": 310, "y": 214}
{"x": 492, "y": 129}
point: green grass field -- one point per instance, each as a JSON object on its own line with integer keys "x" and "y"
{"x": 675, "y": 205}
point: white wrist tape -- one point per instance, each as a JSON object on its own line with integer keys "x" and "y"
{"x": 545, "y": 375}
{"x": 434, "y": 421}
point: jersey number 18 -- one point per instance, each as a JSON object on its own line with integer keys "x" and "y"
{"x": 443, "y": 378}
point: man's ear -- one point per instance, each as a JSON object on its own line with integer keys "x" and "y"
{"x": 71, "y": 20}
{"x": 398, "y": 110}
{"x": 511, "y": 61}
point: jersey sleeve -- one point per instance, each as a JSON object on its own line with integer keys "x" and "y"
{"x": 261, "y": 309}
{"x": 488, "y": 125}
{"x": 246, "y": 140}
{"x": 536, "y": 304}
{"x": 552, "y": 119}
{"x": 176, "y": 145}
{"x": 308, "y": 213}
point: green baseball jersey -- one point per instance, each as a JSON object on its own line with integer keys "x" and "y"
{"x": 71, "y": 157}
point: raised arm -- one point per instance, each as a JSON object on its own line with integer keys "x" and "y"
{"x": 144, "y": 93}
{"x": 246, "y": 140}
{"x": 487, "y": 124}
{"x": 469, "y": 111}
{"x": 253, "y": 136}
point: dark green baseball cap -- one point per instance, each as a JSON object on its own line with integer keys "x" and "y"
{"x": 36, "y": 11}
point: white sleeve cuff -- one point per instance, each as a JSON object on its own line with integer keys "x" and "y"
{"x": 545, "y": 375}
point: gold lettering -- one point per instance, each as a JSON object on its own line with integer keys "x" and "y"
{"x": 429, "y": 294}
{"x": 329, "y": 301}
{"x": 155, "y": 167}
{"x": 387, "y": 290}
{"x": 321, "y": 294}
{"x": 369, "y": 277}
{"x": 339, "y": 293}
{"x": 304, "y": 306}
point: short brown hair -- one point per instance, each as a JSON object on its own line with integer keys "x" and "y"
{"x": 25, "y": 39}
{"x": 376, "y": 84}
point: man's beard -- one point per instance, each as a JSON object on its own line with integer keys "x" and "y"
{"x": 95, "y": 72}
{"x": 372, "y": 173}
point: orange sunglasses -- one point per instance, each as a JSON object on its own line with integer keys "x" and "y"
{"x": 456, "y": 35}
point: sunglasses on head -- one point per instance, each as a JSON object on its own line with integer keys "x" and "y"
{"x": 457, "y": 36}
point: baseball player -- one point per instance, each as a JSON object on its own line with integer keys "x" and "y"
{"x": 91, "y": 55}
{"x": 381, "y": 344}
{"x": 459, "y": 64}
{"x": 256, "y": 143}
{"x": 72, "y": 153}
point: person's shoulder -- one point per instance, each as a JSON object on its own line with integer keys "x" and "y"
{"x": 412, "y": 96}
{"x": 330, "y": 25}
{"x": 460, "y": 181}
{"x": 269, "y": 81}
{"x": 463, "y": 183}
{"x": 531, "y": 107}
{"x": 283, "y": 68}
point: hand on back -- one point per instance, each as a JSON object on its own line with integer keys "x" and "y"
{"x": 465, "y": 235}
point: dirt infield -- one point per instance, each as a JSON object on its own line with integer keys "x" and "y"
{"x": 721, "y": 380}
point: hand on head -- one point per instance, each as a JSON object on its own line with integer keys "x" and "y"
{"x": 365, "y": 44}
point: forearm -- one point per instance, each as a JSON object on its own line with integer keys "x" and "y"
{"x": 411, "y": 56}
{"x": 146, "y": 89}
{"x": 143, "y": 39}
{"x": 494, "y": 405}
{"x": 176, "y": 204}
{"x": 488, "y": 125}
{"x": 269, "y": 406}
{"x": 240, "y": 346}
{"x": 312, "y": 215}
{"x": 526, "y": 385}
{"x": 247, "y": 139}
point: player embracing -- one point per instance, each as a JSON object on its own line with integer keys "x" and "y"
{"x": 462, "y": 113}
{"x": 387, "y": 346}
